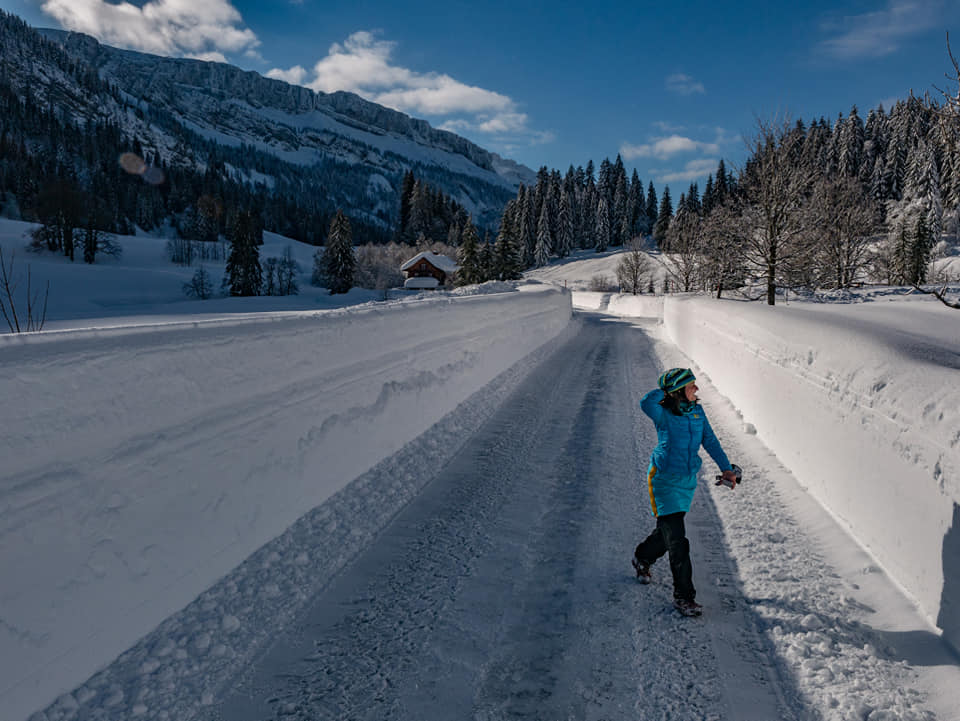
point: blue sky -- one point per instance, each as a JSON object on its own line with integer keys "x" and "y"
{"x": 672, "y": 87}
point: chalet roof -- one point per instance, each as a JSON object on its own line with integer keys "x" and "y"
{"x": 442, "y": 262}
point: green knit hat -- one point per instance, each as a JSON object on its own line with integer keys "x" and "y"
{"x": 675, "y": 379}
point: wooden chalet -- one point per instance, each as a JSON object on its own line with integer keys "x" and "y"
{"x": 428, "y": 270}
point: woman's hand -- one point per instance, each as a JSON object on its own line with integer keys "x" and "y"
{"x": 728, "y": 479}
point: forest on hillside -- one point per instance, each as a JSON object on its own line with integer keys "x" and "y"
{"x": 815, "y": 205}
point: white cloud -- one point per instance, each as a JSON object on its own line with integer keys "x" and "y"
{"x": 667, "y": 147}
{"x": 213, "y": 56}
{"x": 295, "y": 75}
{"x": 693, "y": 170}
{"x": 362, "y": 65}
{"x": 682, "y": 84}
{"x": 879, "y": 33}
{"x": 206, "y": 29}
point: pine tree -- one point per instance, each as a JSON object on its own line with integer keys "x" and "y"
{"x": 602, "y": 236}
{"x": 485, "y": 259}
{"x": 722, "y": 185}
{"x": 850, "y": 141}
{"x": 708, "y": 196}
{"x": 526, "y": 236}
{"x": 663, "y": 218}
{"x": 921, "y": 249}
{"x": 453, "y": 235}
{"x": 635, "y": 206}
{"x": 543, "y": 247}
{"x": 619, "y": 221}
{"x": 507, "y": 255}
{"x": 339, "y": 262}
{"x": 693, "y": 199}
{"x": 924, "y": 185}
{"x": 651, "y": 208}
{"x": 565, "y": 239}
{"x": 587, "y": 230}
{"x": 243, "y": 275}
{"x": 406, "y": 195}
{"x": 468, "y": 256}
{"x": 421, "y": 203}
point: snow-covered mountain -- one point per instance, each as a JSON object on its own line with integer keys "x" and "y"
{"x": 235, "y": 106}
{"x": 176, "y": 109}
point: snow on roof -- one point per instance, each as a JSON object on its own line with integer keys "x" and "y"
{"x": 426, "y": 282}
{"x": 440, "y": 261}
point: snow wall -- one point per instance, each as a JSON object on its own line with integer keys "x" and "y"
{"x": 872, "y": 431}
{"x": 184, "y": 447}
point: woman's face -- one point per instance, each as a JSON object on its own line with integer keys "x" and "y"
{"x": 690, "y": 392}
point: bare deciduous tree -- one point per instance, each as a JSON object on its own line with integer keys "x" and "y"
{"x": 774, "y": 219}
{"x": 953, "y": 101}
{"x": 940, "y": 295}
{"x": 634, "y": 269}
{"x": 844, "y": 216}
{"x": 36, "y": 314}
{"x": 200, "y": 286}
{"x": 723, "y": 248}
{"x": 684, "y": 261}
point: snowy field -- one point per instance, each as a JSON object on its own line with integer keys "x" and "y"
{"x": 184, "y": 480}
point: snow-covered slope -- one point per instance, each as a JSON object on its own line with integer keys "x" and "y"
{"x": 145, "y": 458}
{"x": 862, "y": 403}
{"x": 141, "y": 463}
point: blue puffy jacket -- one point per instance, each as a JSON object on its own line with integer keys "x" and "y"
{"x": 674, "y": 463}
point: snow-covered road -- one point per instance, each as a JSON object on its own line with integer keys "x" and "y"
{"x": 482, "y": 572}
{"x": 504, "y": 589}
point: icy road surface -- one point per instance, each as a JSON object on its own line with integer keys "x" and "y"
{"x": 504, "y": 590}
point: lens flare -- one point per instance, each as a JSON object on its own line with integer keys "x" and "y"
{"x": 153, "y": 175}
{"x": 132, "y": 163}
{"x": 135, "y": 165}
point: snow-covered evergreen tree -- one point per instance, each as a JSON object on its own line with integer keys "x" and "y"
{"x": 635, "y": 206}
{"x": 651, "y": 207}
{"x": 619, "y": 218}
{"x": 507, "y": 252}
{"x": 524, "y": 227}
{"x": 602, "y": 233}
{"x": 663, "y": 218}
{"x": 923, "y": 185}
{"x": 243, "y": 275}
{"x": 339, "y": 261}
{"x": 485, "y": 259}
{"x": 543, "y": 248}
{"x": 565, "y": 237}
{"x": 850, "y": 141}
{"x": 468, "y": 256}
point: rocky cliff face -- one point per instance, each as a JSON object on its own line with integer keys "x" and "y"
{"x": 217, "y": 99}
{"x": 332, "y": 150}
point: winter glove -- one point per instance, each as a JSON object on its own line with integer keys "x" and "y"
{"x": 730, "y": 478}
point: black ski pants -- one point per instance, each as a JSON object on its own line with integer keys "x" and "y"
{"x": 670, "y": 537}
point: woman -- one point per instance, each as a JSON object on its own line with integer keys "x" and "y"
{"x": 682, "y": 427}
